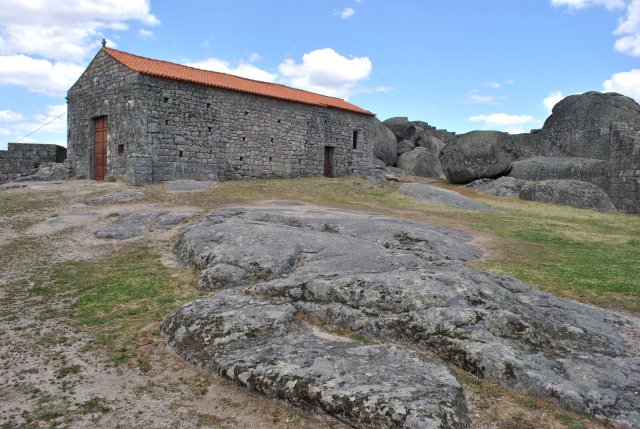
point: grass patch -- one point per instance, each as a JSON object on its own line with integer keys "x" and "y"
{"x": 117, "y": 297}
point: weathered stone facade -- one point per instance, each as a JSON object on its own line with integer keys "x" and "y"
{"x": 23, "y": 159}
{"x": 191, "y": 131}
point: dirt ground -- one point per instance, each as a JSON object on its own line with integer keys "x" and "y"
{"x": 53, "y": 375}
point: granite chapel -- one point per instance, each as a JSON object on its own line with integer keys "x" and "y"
{"x": 142, "y": 120}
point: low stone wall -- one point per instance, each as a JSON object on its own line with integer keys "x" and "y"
{"x": 22, "y": 159}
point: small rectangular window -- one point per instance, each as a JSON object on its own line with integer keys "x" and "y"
{"x": 278, "y": 120}
{"x": 270, "y": 159}
{"x": 241, "y": 158}
{"x": 271, "y": 139}
{"x": 166, "y": 99}
{"x": 208, "y": 105}
{"x": 166, "y": 122}
{"x": 120, "y": 149}
{"x": 355, "y": 139}
{"x": 209, "y": 129}
{"x": 180, "y": 156}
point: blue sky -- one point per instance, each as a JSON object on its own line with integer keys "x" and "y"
{"x": 459, "y": 64}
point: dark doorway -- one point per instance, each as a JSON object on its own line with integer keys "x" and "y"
{"x": 100, "y": 148}
{"x": 328, "y": 161}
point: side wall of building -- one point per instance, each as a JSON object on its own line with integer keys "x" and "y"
{"x": 23, "y": 159}
{"x": 106, "y": 88}
{"x": 199, "y": 132}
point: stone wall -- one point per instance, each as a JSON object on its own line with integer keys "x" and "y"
{"x": 624, "y": 177}
{"x": 197, "y": 132}
{"x": 22, "y": 159}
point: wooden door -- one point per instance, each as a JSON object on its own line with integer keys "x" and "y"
{"x": 100, "y": 148}
{"x": 328, "y": 161}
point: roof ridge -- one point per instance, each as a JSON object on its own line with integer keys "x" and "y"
{"x": 115, "y": 53}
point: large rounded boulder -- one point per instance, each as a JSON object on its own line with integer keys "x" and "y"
{"x": 400, "y": 126}
{"x": 573, "y": 193}
{"x": 476, "y": 155}
{"x": 580, "y": 125}
{"x": 421, "y": 161}
{"x": 385, "y": 144}
{"x": 547, "y": 167}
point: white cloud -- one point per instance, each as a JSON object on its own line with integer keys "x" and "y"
{"x": 626, "y": 83}
{"x": 145, "y": 34}
{"x": 9, "y": 116}
{"x": 629, "y": 29}
{"x": 551, "y": 100}
{"x": 581, "y": 4}
{"x": 475, "y": 97}
{"x": 68, "y": 30}
{"x": 255, "y": 57}
{"x": 243, "y": 69}
{"x": 41, "y": 76}
{"x": 503, "y": 122}
{"x": 347, "y": 13}
{"x": 494, "y": 85}
{"x": 326, "y": 72}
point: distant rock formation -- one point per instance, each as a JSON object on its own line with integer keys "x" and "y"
{"x": 414, "y": 148}
{"x": 573, "y": 193}
{"x": 592, "y": 137}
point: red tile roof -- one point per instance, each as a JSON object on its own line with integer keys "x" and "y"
{"x": 226, "y": 81}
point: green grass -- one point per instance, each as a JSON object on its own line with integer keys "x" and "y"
{"x": 117, "y": 297}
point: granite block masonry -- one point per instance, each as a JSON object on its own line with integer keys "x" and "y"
{"x": 23, "y": 159}
{"x": 164, "y": 126}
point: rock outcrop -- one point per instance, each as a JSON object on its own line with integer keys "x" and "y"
{"x": 421, "y": 161}
{"x": 501, "y": 187}
{"x": 396, "y": 282}
{"x": 549, "y": 167}
{"x": 476, "y": 155}
{"x": 573, "y": 193}
{"x": 580, "y": 125}
{"x": 591, "y": 137}
{"x": 385, "y": 144}
{"x": 418, "y": 147}
{"x": 446, "y": 197}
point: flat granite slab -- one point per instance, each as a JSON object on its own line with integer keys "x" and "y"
{"x": 280, "y": 272}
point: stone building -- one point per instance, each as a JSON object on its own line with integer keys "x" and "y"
{"x": 142, "y": 120}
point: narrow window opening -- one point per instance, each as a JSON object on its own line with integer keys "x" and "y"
{"x": 241, "y": 158}
{"x": 209, "y": 129}
{"x": 271, "y": 139}
{"x": 325, "y": 121}
{"x": 244, "y": 138}
{"x": 299, "y": 161}
{"x": 208, "y": 105}
{"x": 278, "y": 120}
{"x": 246, "y": 113}
{"x": 180, "y": 155}
{"x": 166, "y": 99}
{"x": 307, "y": 122}
{"x": 120, "y": 149}
{"x": 270, "y": 159}
{"x": 355, "y": 139}
{"x": 166, "y": 122}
